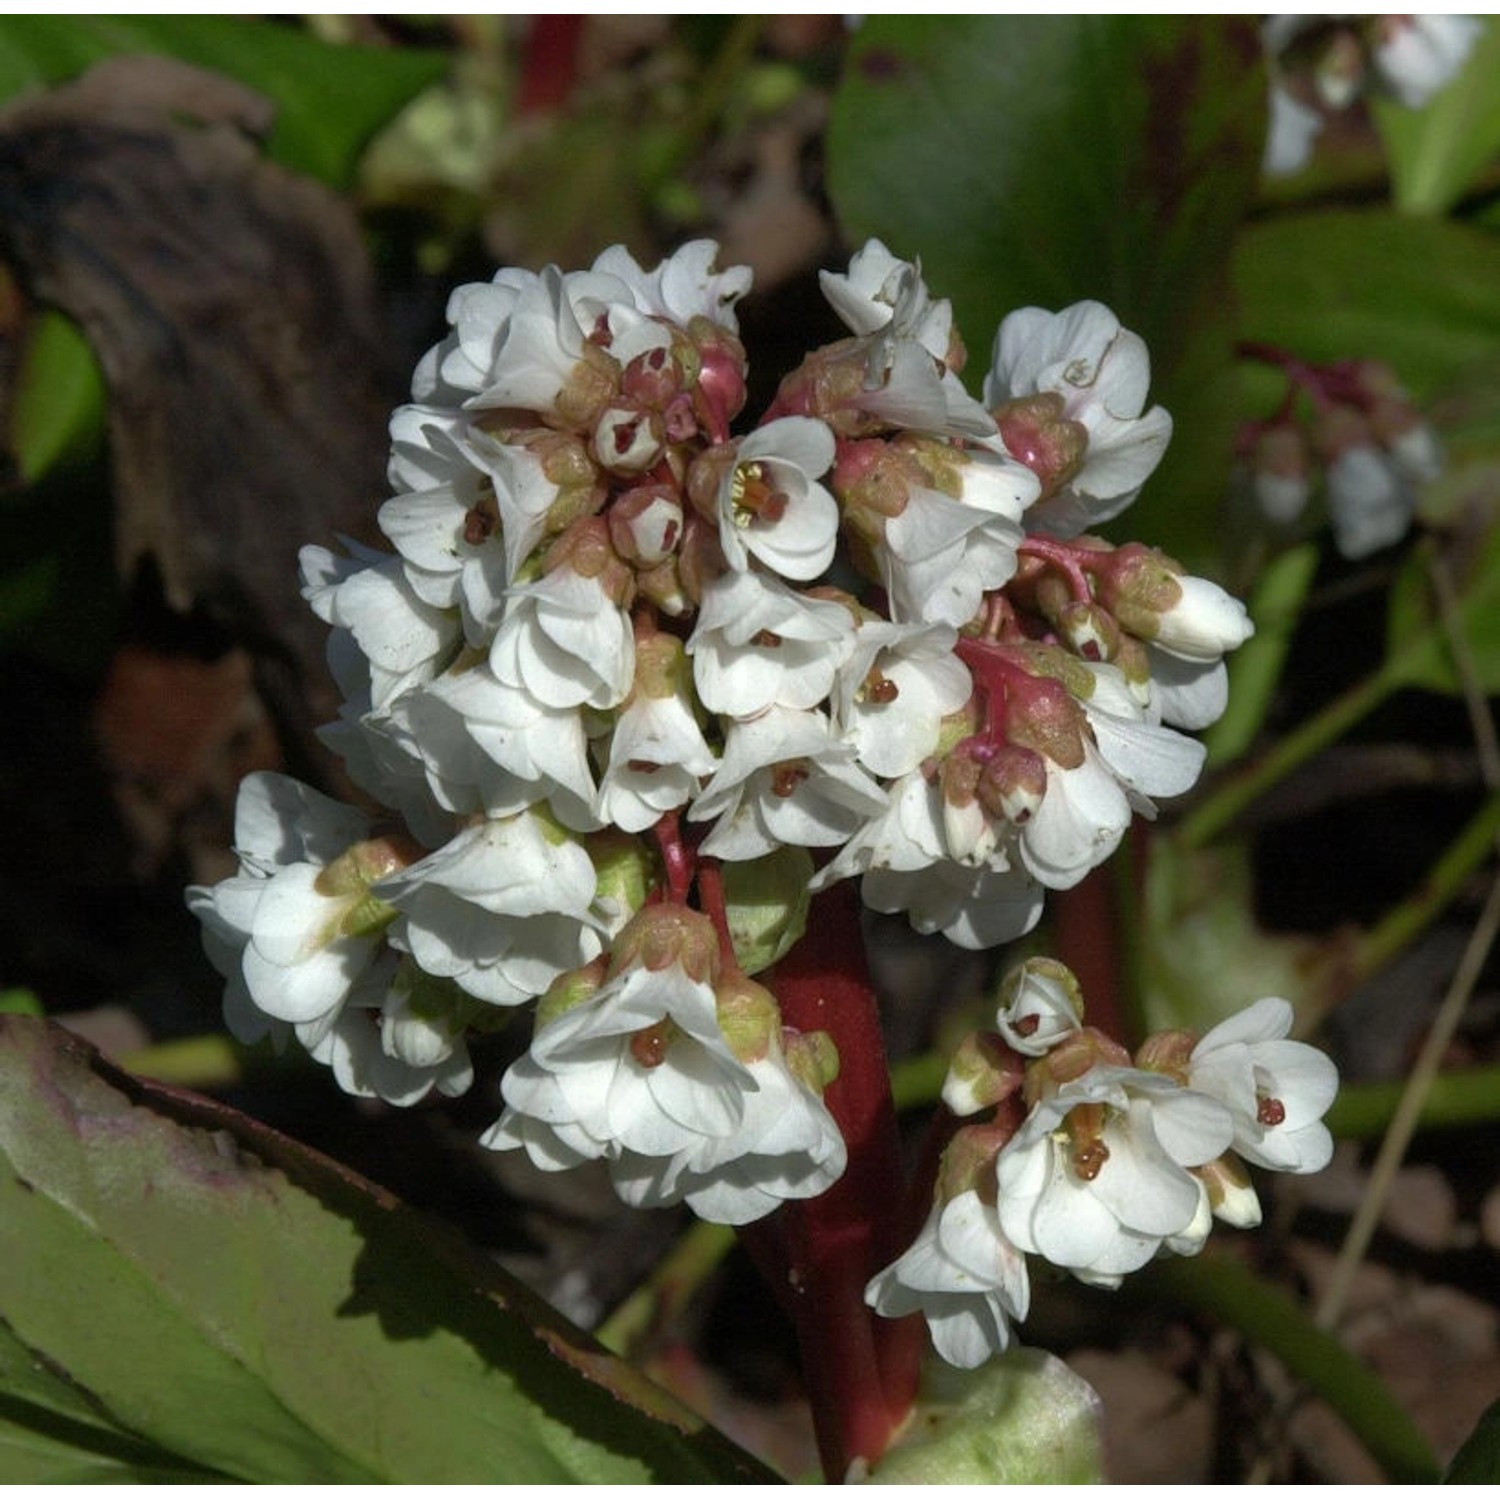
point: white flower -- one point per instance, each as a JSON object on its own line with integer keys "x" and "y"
{"x": 540, "y": 753}
{"x": 1096, "y": 1179}
{"x": 1039, "y": 1006}
{"x": 964, "y": 1276}
{"x": 404, "y": 640}
{"x": 502, "y": 909}
{"x": 479, "y": 314}
{"x": 639, "y": 1066}
{"x": 942, "y": 555}
{"x": 1419, "y": 56}
{"x": 684, "y": 286}
{"x": 974, "y": 907}
{"x": 1370, "y": 500}
{"x": 1276, "y": 1090}
{"x": 372, "y": 1043}
{"x": 1101, "y": 371}
{"x": 565, "y": 641}
{"x": 784, "y": 779}
{"x": 758, "y": 643}
{"x": 299, "y": 916}
{"x": 908, "y": 342}
{"x": 657, "y": 754}
{"x": 1203, "y": 623}
{"x": 893, "y": 692}
{"x": 786, "y": 1147}
{"x": 1290, "y": 134}
{"x": 770, "y": 504}
{"x": 453, "y": 555}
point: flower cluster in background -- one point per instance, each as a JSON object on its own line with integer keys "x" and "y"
{"x": 1321, "y": 65}
{"x": 1094, "y": 1161}
{"x": 1350, "y": 430}
{"x": 629, "y": 678}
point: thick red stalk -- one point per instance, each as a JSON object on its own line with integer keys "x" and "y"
{"x": 860, "y": 1382}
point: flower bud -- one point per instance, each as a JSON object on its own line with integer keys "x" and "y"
{"x": 645, "y": 524}
{"x": 1013, "y": 783}
{"x": 585, "y": 548}
{"x": 982, "y": 1072}
{"x": 748, "y": 1016}
{"x": 1231, "y": 1196}
{"x": 1037, "y": 434}
{"x": 652, "y": 379}
{"x": 1281, "y": 480}
{"x": 628, "y": 438}
{"x": 422, "y": 1017}
{"x": 657, "y": 937}
{"x": 1041, "y": 1003}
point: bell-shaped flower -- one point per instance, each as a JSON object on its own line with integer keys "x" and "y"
{"x": 1099, "y": 373}
{"x": 684, "y": 286}
{"x": 759, "y": 643}
{"x": 1276, "y": 1090}
{"x": 1096, "y": 1180}
{"x": 1040, "y": 1005}
{"x": 502, "y": 909}
{"x": 785, "y": 778}
{"x": 631, "y": 1059}
{"x": 566, "y": 639}
{"x": 531, "y": 752}
{"x": 770, "y": 504}
{"x": 892, "y": 694}
{"x": 1416, "y": 57}
{"x": 786, "y": 1147}
{"x": 907, "y": 341}
{"x": 301, "y": 915}
{"x": 405, "y": 640}
{"x": 965, "y": 1278}
{"x": 944, "y": 552}
{"x": 657, "y": 753}
{"x": 976, "y": 907}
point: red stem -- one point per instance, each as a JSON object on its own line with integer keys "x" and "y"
{"x": 860, "y": 1382}
{"x": 550, "y": 66}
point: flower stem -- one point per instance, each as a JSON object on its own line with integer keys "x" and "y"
{"x": 860, "y": 1381}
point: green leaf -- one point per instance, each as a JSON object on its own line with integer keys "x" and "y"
{"x": 1478, "y": 1461}
{"x": 1041, "y": 160}
{"x": 1439, "y": 152}
{"x": 1024, "y": 1418}
{"x": 1421, "y": 294}
{"x": 190, "y": 1286}
{"x": 331, "y": 99}
{"x": 58, "y": 406}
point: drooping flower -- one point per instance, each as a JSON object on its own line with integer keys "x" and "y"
{"x": 965, "y": 1278}
{"x": 1097, "y": 1180}
{"x": 1276, "y": 1090}
{"x": 1097, "y": 374}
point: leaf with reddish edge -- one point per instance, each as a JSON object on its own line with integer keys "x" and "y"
{"x": 184, "y": 1290}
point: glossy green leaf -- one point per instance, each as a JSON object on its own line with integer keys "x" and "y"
{"x": 57, "y": 411}
{"x": 1478, "y": 1461}
{"x": 1421, "y": 294}
{"x": 1023, "y": 1418}
{"x": 330, "y": 99}
{"x": 1437, "y": 153}
{"x": 1041, "y": 160}
{"x": 189, "y": 1286}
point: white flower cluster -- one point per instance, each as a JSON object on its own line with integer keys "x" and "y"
{"x": 617, "y": 644}
{"x": 1321, "y": 65}
{"x": 1093, "y": 1162}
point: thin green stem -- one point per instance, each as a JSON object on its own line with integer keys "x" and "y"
{"x": 1403, "y": 923}
{"x": 1232, "y": 796}
{"x": 1470, "y": 1097}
